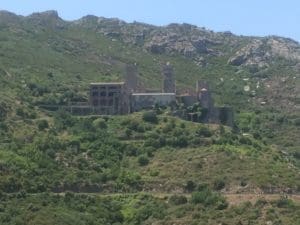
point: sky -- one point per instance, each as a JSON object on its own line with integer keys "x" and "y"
{"x": 242, "y": 17}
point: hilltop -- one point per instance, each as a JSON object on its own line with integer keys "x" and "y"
{"x": 174, "y": 171}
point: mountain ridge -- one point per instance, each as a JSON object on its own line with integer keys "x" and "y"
{"x": 147, "y": 28}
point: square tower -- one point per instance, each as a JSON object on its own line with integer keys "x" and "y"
{"x": 168, "y": 79}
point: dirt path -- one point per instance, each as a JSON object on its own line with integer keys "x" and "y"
{"x": 235, "y": 199}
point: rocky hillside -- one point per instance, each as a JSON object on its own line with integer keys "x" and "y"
{"x": 42, "y": 51}
{"x": 194, "y": 42}
{"x": 263, "y": 60}
{"x": 185, "y": 39}
{"x": 173, "y": 171}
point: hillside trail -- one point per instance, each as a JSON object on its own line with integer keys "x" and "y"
{"x": 236, "y": 199}
{"x": 233, "y": 199}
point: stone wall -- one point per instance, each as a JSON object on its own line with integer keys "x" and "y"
{"x": 141, "y": 101}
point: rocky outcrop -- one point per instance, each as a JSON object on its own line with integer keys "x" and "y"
{"x": 48, "y": 19}
{"x": 8, "y": 18}
{"x": 261, "y": 52}
{"x": 184, "y": 39}
{"x": 252, "y": 54}
{"x": 284, "y": 47}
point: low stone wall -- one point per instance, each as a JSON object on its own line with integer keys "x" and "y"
{"x": 141, "y": 101}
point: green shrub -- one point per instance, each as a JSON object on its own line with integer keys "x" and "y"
{"x": 204, "y": 131}
{"x": 37, "y": 89}
{"x": 243, "y": 183}
{"x": 190, "y": 186}
{"x": 43, "y": 124}
{"x": 167, "y": 128}
{"x": 261, "y": 202}
{"x": 154, "y": 173}
{"x": 133, "y": 125}
{"x": 128, "y": 132}
{"x": 178, "y": 199}
{"x": 3, "y": 110}
{"x": 25, "y": 114}
{"x": 222, "y": 204}
{"x": 202, "y": 186}
{"x": 219, "y": 184}
{"x": 297, "y": 155}
{"x": 3, "y": 127}
{"x": 297, "y": 122}
{"x": 150, "y": 116}
{"x": 200, "y": 197}
{"x": 209, "y": 198}
{"x": 151, "y": 142}
{"x": 99, "y": 123}
{"x": 143, "y": 160}
{"x": 284, "y": 202}
{"x": 140, "y": 128}
{"x": 130, "y": 178}
{"x": 131, "y": 150}
{"x": 245, "y": 140}
{"x": 182, "y": 125}
{"x": 257, "y": 135}
{"x": 63, "y": 120}
{"x": 148, "y": 209}
{"x": 149, "y": 151}
{"x": 181, "y": 141}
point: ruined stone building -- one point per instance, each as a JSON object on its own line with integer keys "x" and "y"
{"x": 123, "y": 97}
{"x": 113, "y": 98}
{"x": 209, "y": 113}
{"x": 116, "y": 98}
{"x": 212, "y": 114}
{"x": 109, "y": 98}
{"x": 204, "y": 95}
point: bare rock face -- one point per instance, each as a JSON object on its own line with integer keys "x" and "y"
{"x": 285, "y": 48}
{"x": 297, "y": 67}
{"x": 184, "y": 39}
{"x": 47, "y": 15}
{"x": 131, "y": 33}
{"x": 251, "y": 54}
{"x": 260, "y": 52}
{"x": 170, "y": 43}
{"x": 8, "y": 17}
{"x": 48, "y": 18}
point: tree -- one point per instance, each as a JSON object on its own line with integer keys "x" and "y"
{"x": 43, "y": 124}
{"x": 3, "y": 110}
{"x": 190, "y": 186}
{"x": 99, "y": 123}
{"x": 143, "y": 160}
{"x": 150, "y": 116}
{"x": 204, "y": 132}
